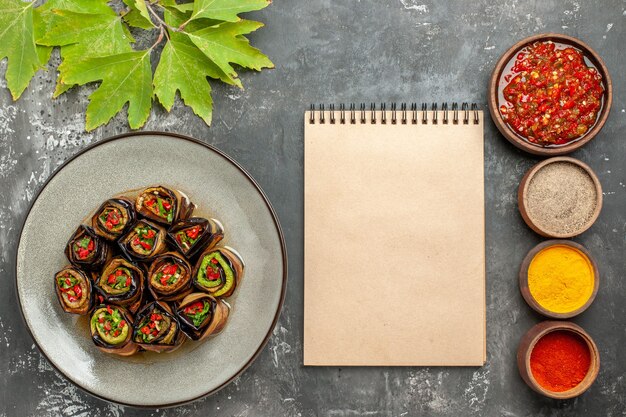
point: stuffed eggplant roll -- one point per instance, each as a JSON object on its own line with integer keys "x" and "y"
{"x": 112, "y": 330}
{"x": 163, "y": 205}
{"x": 218, "y": 271}
{"x": 157, "y": 329}
{"x": 195, "y": 235}
{"x": 169, "y": 277}
{"x": 114, "y": 218}
{"x": 86, "y": 249}
{"x": 144, "y": 241}
{"x": 201, "y": 315}
{"x": 73, "y": 288}
{"x": 121, "y": 283}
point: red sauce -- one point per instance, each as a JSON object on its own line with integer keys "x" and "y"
{"x": 552, "y": 95}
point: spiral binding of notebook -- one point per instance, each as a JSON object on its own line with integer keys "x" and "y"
{"x": 375, "y": 115}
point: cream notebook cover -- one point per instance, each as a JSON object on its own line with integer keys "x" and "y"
{"x": 394, "y": 247}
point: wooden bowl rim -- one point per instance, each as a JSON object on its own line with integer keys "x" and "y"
{"x": 509, "y": 134}
{"x": 545, "y": 327}
{"x": 522, "y": 197}
{"x": 523, "y": 278}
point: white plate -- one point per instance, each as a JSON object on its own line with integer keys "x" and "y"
{"x": 223, "y": 190}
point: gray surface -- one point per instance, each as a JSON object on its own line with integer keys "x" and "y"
{"x": 220, "y": 190}
{"x": 350, "y": 51}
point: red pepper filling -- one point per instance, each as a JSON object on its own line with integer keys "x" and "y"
{"x": 169, "y": 274}
{"x": 197, "y": 311}
{"x": 110, "y": 322}
{"x": 83, "y": 247}
{"x": 194, "y": 308}
{"x": 119, "y": 279}
{"x": 187, "y": 237}
{"x": 144, "y": 238}
{"x": 151, "y": 326}
{"x": 111, "y": 218}
{"x": 70, "y": 286}
{"x": 162, "y": 207}
{"x": 552, "y": 97}
{"x": 213, "y": 270}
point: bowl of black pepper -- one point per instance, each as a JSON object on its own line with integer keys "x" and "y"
{"x": 560, "y": 197}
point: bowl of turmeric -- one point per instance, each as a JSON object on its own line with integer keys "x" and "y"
{"x": 559, "y": 278}
{"x": 558, "y": 359}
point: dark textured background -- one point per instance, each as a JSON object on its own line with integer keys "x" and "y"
{"x": 349, "y": 51}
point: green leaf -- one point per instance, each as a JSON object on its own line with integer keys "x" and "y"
{"x": 17, "y": 44}
{"x": 95, "y": 46}
{"x": 126, "y": 78}
{"x": 61, "y": 88}
{"x": 80, "y": 35}
{"x": 44, "y": 52}
{"x": 175, "y": 18}
{"x": 78, "y": 6}
{"x": 91, "y": 31}
{"x": 45, "y": 19}
{"x": 224, "y": 44}
{"x": 138, "y": 15}
{"x": 184, "y": 68}
{"x": 172, "y": 5}
{"x": 225, "y": 9}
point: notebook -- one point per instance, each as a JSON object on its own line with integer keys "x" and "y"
{"x": 394, "y": 246}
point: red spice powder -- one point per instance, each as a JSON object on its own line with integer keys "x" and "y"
{"x": 560, "y": 360}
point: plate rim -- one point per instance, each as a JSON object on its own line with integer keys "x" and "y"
{"x": 276, "y": 224}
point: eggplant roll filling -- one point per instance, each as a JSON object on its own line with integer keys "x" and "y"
{"x": 188, "y": 237}
{"x": 73, "y": 288}
{"x": 218, "y": 272}
{"x": 121, "y": 282}
{"x": 113, "y": 218}
{"x": 198, "y": 312}
{"x": 155, "y": 325}
{"x": 86, "y": 249}
{"x": 110, "y": 326}
{"x": 169, "y": 275}
{"x": 163, "y": 205}
{"x": 118, "y": 281}
{"x": 194, "y": 235}
{"x": 201, "y": 315}
{"x": 144, "y": 241}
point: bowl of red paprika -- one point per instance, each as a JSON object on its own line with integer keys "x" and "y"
{"x": 550, "y": 94}
{"x": 558, "y": 359}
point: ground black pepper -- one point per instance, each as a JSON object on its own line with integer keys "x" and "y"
{"x": 561, "y": 198}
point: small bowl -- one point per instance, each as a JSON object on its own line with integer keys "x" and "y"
{"x": 527, "y": 344}
{"x": 522, "y": 198}
{"x": 514, "y": 138}
{"x": 523, "y": 279}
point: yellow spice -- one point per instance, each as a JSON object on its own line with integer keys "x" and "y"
{"x": 560, "y": 278}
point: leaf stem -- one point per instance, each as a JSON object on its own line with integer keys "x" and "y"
{"x": 156, "y": 16}
{"x": 160, "y": 38}
{"x": 182, "y": 26}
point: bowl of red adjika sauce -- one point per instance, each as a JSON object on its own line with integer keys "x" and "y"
{"x": 558, "y": 359}
{"x": 550, "y": 94}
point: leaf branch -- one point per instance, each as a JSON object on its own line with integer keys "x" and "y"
{"x": 182, "y": 26}
{"x": 204, "y": 39}
{"x": 160, "y": 21}
{"x": 162, "y": 32}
